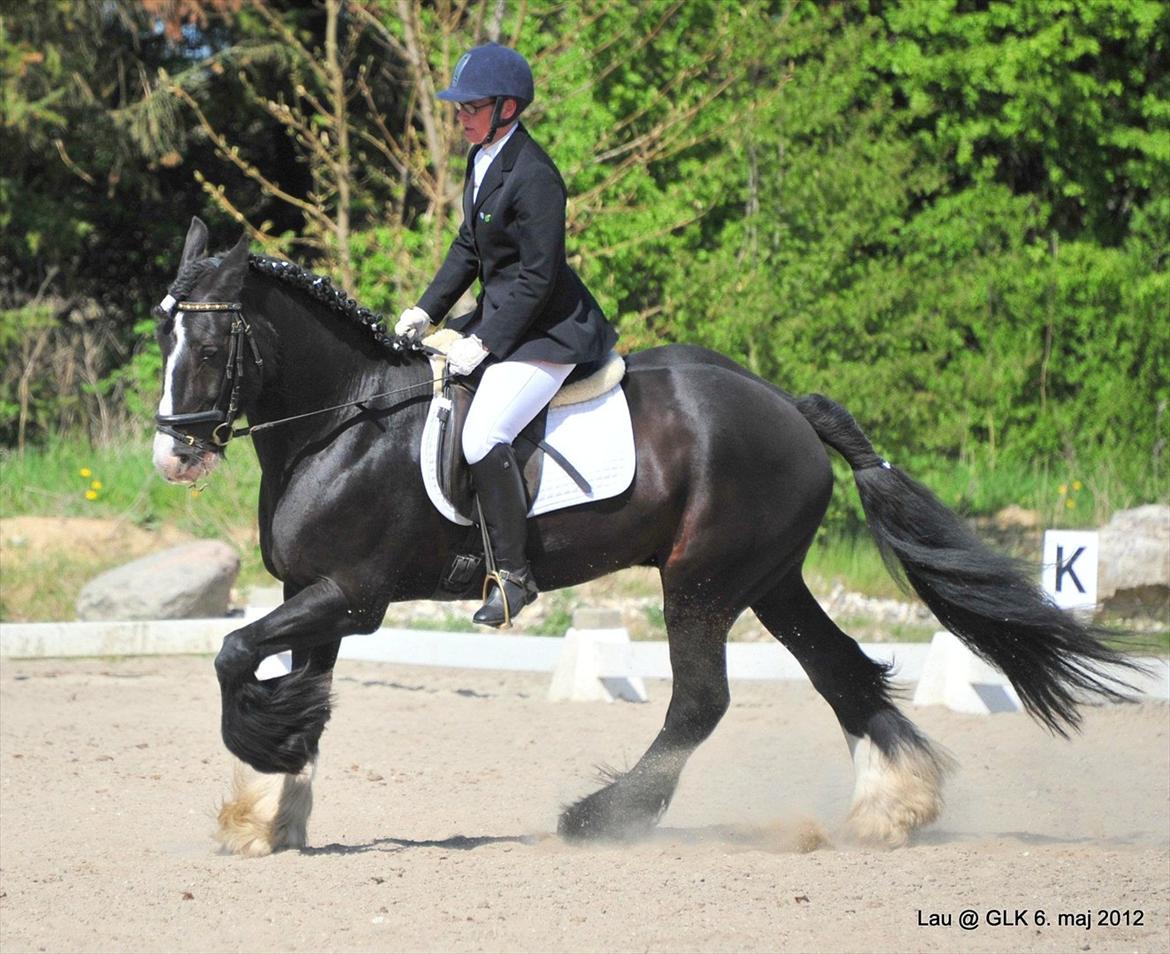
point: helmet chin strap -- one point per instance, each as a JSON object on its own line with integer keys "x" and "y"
{"x": 494, "y": 128}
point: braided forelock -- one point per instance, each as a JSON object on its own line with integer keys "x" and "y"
{"x": 189, "y": 276}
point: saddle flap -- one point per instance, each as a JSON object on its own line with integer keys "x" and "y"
{"x": 597, "y": 436}
{"x": 454, "y": 472}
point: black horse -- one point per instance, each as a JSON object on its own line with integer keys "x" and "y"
{"x": 732, "y": 481}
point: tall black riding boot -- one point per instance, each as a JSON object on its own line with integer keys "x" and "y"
{"x": 500, "y": 488}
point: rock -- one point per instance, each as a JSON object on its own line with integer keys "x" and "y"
{"x": 1015, "y": 517}
{"x": 1133, "y": 574}
{"x": 1012, "y": 530}
{"x": 185, "y": 582}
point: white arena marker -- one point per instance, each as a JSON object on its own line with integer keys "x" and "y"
{"x": 1069, "y": 574}
{"x": 594, "y": 664}
{"x": 955, "y": 677}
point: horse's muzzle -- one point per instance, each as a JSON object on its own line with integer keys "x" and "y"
{"x": 180, "y": 463}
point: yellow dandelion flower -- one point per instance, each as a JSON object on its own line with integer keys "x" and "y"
{"x": 91, "y": 495}
{"x": 85, "y": 472}
{"x": 96, "y": 485}
{"x": 1071, "y": 504}
{"x": 1077, "y": 485}
{"x": 1062, "y": 489}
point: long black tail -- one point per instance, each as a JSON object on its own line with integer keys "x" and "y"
{"x": 1054, "y": 661}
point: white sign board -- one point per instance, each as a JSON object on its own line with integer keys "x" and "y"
{"x": 1070, "y": 568}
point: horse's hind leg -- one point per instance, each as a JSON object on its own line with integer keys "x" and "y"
{"x": 632, "y": 803}
{"x": 268, "y": 812}
{"x": 898, "y": 772}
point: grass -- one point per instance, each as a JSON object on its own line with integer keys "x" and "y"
{"x": 853, "y": 562}
{"x": 118, "y": 484}
{"x": 59, "y": 479}
{"x": 1155, "y": 643}
{"x": 66, "y": 478}
{"x": 45, "y": 587}
{"x": 1064, "y": 496}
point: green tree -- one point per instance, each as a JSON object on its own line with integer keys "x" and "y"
{"x": 956, "y": 219}
{"x": 88, "y": 180}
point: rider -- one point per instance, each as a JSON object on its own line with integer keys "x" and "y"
{"x": 533, "y": 318}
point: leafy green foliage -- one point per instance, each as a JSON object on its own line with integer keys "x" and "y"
{"x": 952, "y": 216}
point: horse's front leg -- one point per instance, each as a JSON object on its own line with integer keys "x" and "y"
{"x": 274, "y": 726}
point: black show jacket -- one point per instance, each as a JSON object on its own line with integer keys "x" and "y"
{"x": 531, "y": 306}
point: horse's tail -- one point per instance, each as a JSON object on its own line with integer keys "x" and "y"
{"x": 1054, "y": 661}
{"x": 274, "y": 725}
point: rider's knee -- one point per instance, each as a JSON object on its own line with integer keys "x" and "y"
{"x": 478, "y": 442}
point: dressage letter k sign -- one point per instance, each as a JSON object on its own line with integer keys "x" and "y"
{"x": 1066, "y": 566}
{"x": 1070, "y": 568}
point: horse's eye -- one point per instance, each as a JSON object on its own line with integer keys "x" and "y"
{"x": 207, "y": 352}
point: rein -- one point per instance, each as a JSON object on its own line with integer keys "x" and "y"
{"x": 360, "y": 402}
{"x": 176, "y": 425}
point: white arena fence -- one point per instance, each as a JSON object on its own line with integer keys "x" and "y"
{"x": 586, "y": 664}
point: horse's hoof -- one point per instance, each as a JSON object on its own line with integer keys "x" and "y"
{"x": 265, "y": 813}
{"x": 603, "y": 816}
{"x": 895, "y": 796}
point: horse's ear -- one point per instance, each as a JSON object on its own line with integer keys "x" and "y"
{"x": 229, "y": 277}
{"x": 237, "y": 258}
{"x": 196, "y": 245}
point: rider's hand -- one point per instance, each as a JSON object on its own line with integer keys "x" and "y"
{"x": 412, "y": 322}
{"x": 465, "y": 355}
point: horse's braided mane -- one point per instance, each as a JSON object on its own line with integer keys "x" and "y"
{"x": 322, "y": 289}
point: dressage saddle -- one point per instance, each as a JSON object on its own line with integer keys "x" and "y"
{"x": 463, "y": 573}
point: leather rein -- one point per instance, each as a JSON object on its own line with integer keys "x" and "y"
{"x": 227, "y": 405}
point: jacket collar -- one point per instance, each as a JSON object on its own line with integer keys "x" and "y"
{"x": 502, "y": 165}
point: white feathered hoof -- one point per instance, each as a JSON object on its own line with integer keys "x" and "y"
{"x": 266, "y": 813}
{"x": 895, "y": 794}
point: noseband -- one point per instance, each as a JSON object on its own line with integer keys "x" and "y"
{"x": 227, "y": 405}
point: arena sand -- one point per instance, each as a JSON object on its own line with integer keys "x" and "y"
{"x": 437, "y": 795}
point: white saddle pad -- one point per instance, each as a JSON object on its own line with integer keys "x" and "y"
{"x": 595, "y": 436}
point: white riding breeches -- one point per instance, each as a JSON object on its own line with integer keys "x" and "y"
{"x": 509, "y": 396}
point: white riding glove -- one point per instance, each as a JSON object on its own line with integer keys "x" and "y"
{"x": 412, "y": 322}
{"x": 465, "y": 355}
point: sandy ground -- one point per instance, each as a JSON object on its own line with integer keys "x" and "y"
{"x": 438, "y": 790}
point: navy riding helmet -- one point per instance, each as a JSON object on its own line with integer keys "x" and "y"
{"x": 491, "y": 71}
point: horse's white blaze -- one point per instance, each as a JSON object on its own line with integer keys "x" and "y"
{"x": 266, "y": 813}
{"x": 893, "y": 796}
{"x": 165, "y": 460}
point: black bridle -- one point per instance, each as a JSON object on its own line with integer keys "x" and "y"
{"x": 227, "y": 405}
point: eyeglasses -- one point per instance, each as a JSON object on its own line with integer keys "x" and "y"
{"x": 472, "y": 108}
